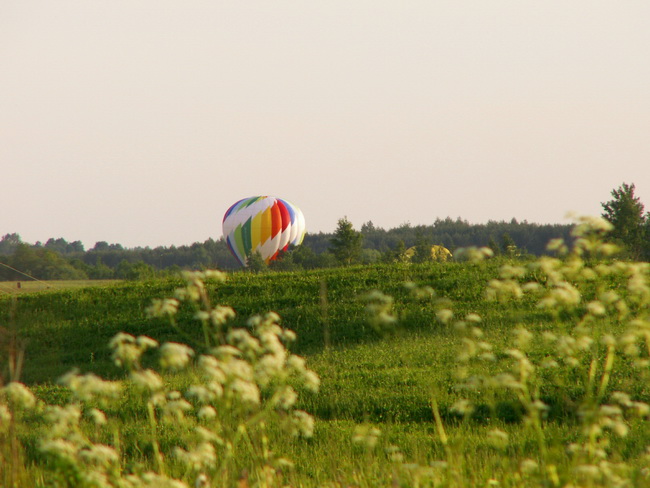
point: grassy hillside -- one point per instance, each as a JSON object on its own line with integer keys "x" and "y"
{"x": 19, "y": 287}
{"x": 72, "y": 327}
{"x": 408, "y": 394}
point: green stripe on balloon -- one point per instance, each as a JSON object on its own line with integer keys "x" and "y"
{"x": 246, "y": 234}
{"x": 239, "y": 242}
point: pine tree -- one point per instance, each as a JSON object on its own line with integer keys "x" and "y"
{"x": 346, "y": 243}
{"x": 256, "y": 263}
{"x": 422, "y": 252}
{"x": 626, "y": 213}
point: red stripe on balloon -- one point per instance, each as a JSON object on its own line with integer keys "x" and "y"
{"x": 276, "y": 220}
{"x": 286, "y": 216}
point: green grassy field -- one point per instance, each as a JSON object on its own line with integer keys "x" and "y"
{"x": 32, "y": 286}
{"x": 536, "y": 394}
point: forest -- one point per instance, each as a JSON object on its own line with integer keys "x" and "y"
{"x": 58, "y": 259}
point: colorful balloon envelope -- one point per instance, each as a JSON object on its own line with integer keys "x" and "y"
{"x": 267, "y": 225}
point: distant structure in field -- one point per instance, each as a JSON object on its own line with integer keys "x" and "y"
{"x": 438, "y": 253}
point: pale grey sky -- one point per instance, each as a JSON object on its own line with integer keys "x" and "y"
{"x": 142, "y": 121}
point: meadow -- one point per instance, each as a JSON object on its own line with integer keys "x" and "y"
{"x": 478, "y": 372}
{"x": 31, "y": 286}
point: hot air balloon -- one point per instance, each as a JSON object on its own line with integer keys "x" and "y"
{"x": 265, "y": 224}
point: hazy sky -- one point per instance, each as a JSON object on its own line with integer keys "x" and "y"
{"x": 142, "y": 121}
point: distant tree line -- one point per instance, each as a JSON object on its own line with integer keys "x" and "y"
{"x": 59, "y": 259}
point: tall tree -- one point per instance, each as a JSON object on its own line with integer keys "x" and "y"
{"x": 422, "y": 252}
{"x": 346, "y": 243}
{"x": 626, "y": 213}
{"x": 8, "y": 243}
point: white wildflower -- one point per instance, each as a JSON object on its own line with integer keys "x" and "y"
{"x": 201, "y": 457}
{"x": 147, "y": 380}
{"x": 220, "y": 315}
{"x": 508, "y": 271}
{"x": 175, "y": 356}
{"x": 366, "y": 436}
{"x": 99, "y": 455}
{"x": 590, "y": 471}
{"x": 5, "y": 417}
{"x": 303, "y": 424}
{"x": 584, "y": 343}
{"x": 154, "y": 480}
{"x": 529, "y": 466}
{"x": 244, "y": 342}
{"x": 126, "y": 351}
{"x": 145, "y": 342}
{"x": 557, "y": 245}
{"x": 174, "y": 410}
{"x": 237, "y": 369}
{"x": 207, "y": 412}
{"x": 296, "y": 363}
{"x": 311, "y": 381}
{"x": 462, "y": 407}
{"x": 394, "y": 454}
{"x": 211, "y": 368}
{"x": 246, "y": 391}
{"x": 288, "y": 335}
{"x": 498, "y": 438}
{"x": 522, "y": 337}
{"x": 91, "y": 386}
{"x": 164, "y": 307}
{"x": 268, "y": 368}
{"x": 596, "y": 308}
{"x": 549, "y": 363}
{"x": 214, "y": 274}
{"x": 285, "y": 398}
{"x": 224, "y": 352}
{"x": 60, "y": 448}
{"x": 202, "y": 481}
{"x": 201, "y": 315}
{"x": 202, "y": 394}
{"x": 97, "y": 416}
{"x": 444, "y": 315}
{"x": 19, "y": 396}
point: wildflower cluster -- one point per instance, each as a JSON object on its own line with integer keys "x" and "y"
{"x": 600, "y": 331}
{"x": 380, "y": 309}
{"x": 609, "y": 325}
{"x": 245, "y": 380}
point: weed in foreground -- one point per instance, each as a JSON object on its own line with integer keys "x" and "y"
{"x": 214, "y": 431}
{"x": 574, "y": 367}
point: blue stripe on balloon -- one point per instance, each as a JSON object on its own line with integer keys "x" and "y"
{"x": 292, "y": 212}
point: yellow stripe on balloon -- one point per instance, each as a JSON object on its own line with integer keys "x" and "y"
{"x": 256, "y": 231}
{"x": 267, "y": 225}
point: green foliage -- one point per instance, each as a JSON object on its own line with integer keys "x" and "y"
{"x": 256, "y": 263}
{"x": 422, "y": 252}
{"x": 508, "y": 246}
{"x": 40, "y": 263}
{"x": 370, "y": 256}
{"x": 508, "y": 371}
{"x": 397, "y": 255}
{"x": 312, "y": 254}
{"x": 630, "y": 224}
{"x": 492, "y": 244}
{"x": 8, "y": 244}
{"x": 133, "y": 271}
{"x": 346, "y": 244}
